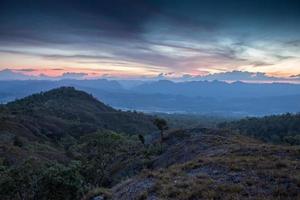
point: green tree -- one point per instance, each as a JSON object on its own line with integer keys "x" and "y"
{"x": 142, "y": 139}
{"x": 99, "y": 151}
{"x": 34, "y": 180}
{"x": 61, "y": 182}
{"x": 20, "y": 181}
{"x": 18, "y": 141}
{"x": 162, "y": 125}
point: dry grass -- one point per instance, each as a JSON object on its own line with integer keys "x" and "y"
{"x": 248, "y": 170}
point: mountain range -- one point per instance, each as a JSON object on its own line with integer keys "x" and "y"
{"x": 200, "y": 97}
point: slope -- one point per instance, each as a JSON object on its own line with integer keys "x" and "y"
{"x": 214, "y": 164}
{"x": 68, "y": 111}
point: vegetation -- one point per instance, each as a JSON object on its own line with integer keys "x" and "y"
{"x": 44, "y": 132}
{"x": 99, "y": 150}
{"x": 277, "y": 128}
{"x": 64, "y": 144}
{"x": 226, "y": 167}
{"x": 96, "y": 160}
{"x": 162, "y": 125}
{"x": 33, "y": 180}
{"x": 184, "y": 121}
{"x": 68, "y": 111}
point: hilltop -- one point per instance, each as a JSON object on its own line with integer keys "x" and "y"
{"x": 44, "y": 125}
{"x": 66, "y": 110}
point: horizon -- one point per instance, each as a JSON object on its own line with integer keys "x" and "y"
{"x": 227, "y": 77}
{"x": 255, "y": 41}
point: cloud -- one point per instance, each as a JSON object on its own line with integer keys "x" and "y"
{"x": 157, "y": 36}
{"x": 25, "y": 70}
{"x": 8, "y": 74}
{"x": 230, "y": 76}
{"x": 244, "y": 76}
{"x": 295, "y": 77}
{"x": 73, "y": 75}
{"x": 66, "y": 75}
{"x": 58, "y": 69}
{"x": 293, "y": 43}
{"x": 240, "y": 76}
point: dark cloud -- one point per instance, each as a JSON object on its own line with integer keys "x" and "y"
{"x": 49, "y": 21}
{"x": 53, "y": 21}
{"x": 293, "y": 43}
{"x": 240, "y": 76}
{"x": 260, "y": 63}
{"x": 73, "y": 75}
{"x": 174, "y": 35}
{"x": 26, "y": 70}
{"x": 8, "y": 74}
{"x": 296, "y": 76}
{"x": 281, "y": 57}
{"x": 231, "y": 76}
{"x": 226, "y": 76}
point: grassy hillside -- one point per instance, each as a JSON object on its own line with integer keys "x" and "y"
{"x": 216, "y": 165}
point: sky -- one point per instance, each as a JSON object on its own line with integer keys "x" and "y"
{"x": 173, "y": 39}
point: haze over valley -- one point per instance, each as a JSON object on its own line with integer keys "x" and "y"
{"x": 192, "y": 97}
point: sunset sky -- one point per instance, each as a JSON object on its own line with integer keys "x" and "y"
{"x": 138, "y": 38}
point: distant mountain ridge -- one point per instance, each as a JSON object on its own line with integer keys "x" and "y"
{"x": 218, "y": 89}
{"x": 203, "y": 97}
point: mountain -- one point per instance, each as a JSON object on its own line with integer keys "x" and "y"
{"x": 38, "y": 125}
{"x": 68, "y": 111}
{"x": 200, "y": 97}
{"x": 11, "y": 90}
{"x": 218, "y": 89}
{"x": 61, "y": 136}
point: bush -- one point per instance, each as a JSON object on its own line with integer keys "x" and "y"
{"x": 98, "y": 151}
{"x": 61, "y": 182}
{"x": 18, "y": 141}
{"x": 32, "y": 180}
{"x": 20, "y": 182}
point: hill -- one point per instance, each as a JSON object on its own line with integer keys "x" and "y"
{"x": 66, "y": 140}
{"x": 68, "y": 111}
{"x": 213, "y": 164}
{"x": 46, "y": 124}
{"x": 65, "y": 144}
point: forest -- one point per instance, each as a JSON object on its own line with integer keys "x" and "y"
{"x": 65, "y": 144}
{"x": 276, "y": 128}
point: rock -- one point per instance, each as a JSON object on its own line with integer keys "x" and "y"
{"x": 98, "y": 198}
